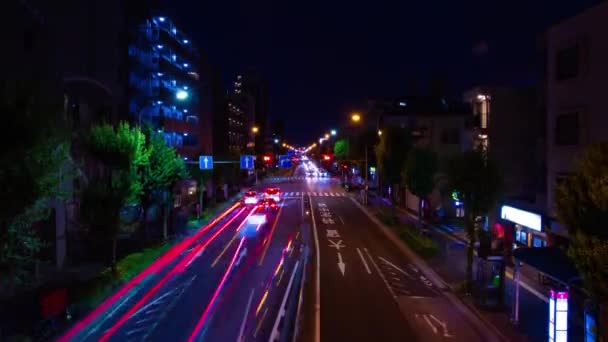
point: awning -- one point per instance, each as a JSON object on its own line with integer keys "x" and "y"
{"x": 552, "y": 261}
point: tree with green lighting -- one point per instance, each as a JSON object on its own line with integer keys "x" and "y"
{"x": 341, "y": 149}
{"x": 122, "y": 152}
{"x": 161, "y": 173}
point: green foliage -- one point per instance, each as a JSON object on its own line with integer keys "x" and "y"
{"x": 391, "y": 153}
{"x": 341, "y": 149}
{"x": 419, "y": 171}
{"x": 582, "y": 206}
{"x": 32, "y": 168}
{"x": 479, "y": 181}
{"x": 165, "y": 166}
{"x": 421, "y": 244}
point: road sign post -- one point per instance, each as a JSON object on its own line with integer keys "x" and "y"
{"x": 284, "y": 162}
{"x": 205, "y": 162}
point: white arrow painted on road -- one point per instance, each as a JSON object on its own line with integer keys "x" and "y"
{"x": 442, "y": 324}
{"x": 341, "y": 264}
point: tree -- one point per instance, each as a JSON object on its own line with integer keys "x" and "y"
{"x": 478, "y": 180}
{"x": 419, "y": 172}
{"x": 162, "y": 171}
{"x": 32, "y": 168}
{"x": 122, "y": 152}
{"x": 582, "y": 206}
{"x": 341, "y": 149}
{"x": 391, "y": 153}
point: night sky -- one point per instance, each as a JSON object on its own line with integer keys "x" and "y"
{"x": 323, "y": 59}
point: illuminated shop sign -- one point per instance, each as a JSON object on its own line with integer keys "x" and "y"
{"x": 521, "y": 217}
{"x": 558, "y": 316}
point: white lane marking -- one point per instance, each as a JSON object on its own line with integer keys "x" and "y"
{"x": 131, "y": 293}
{"x": 364, "y": 262}
{"x": 325, "y": 194}
{"x": 318, "y": 275}
{"x": 390, "y": 289}
{"x": 397, "y": 268}
{"x": 341, "y": 220}
{"x": 428, "y": 321}
{"x": 135, "y": 331}
{"x": 242, "y": 330}
{"x": 275, "y": 328}
{"x": 153, "y": 303}
{"x": 341, "y": 264}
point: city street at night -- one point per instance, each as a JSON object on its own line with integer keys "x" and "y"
{"x": 255, "y": 171}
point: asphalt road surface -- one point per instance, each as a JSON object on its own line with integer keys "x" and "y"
{"x": 230, "y": 281}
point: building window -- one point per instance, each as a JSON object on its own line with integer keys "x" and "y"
{"x": 567, "y": 62}
{"x": 567, "y": 129}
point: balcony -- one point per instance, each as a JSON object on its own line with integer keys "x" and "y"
{"x": 181, "y": 126}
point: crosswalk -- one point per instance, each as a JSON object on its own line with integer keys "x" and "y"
{"x": 294, "y": 194}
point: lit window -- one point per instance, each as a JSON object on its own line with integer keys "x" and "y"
{"x": 186, "y": 41}
{"x": 160, "y": 74}
{"x": 174, "y": 57}
{"x": 161, "y": 19}
{"x": 402, "y": 104}
{"x": 159, "y": 46}
{"x": 185, "y": 65}
{"x": 186, "y": 87}
{"x": 174, "y": 30}
{"x": 185, "y": 111}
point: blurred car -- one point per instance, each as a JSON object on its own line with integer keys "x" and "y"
{"x": 250, "y": 197}
{"x": 269, "y": 204}
{"x": 274, "y": 193}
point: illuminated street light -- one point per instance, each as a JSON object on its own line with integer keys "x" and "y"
{"x": 276, "y": 141}
{"x": 320, "y": 140}
{"x": 379, "y": 133}
{"x": 181, "y": 95}
{"x": 255, "y": 129}
{"x": 326, "y": 136}
{"x": 356, "y": 117}
{"x": 333, "y": 132}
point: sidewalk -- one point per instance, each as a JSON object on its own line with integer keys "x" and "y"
{"x": 450, "y": 263}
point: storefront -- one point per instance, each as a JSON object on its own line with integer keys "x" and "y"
{"x": 528, "y": 226}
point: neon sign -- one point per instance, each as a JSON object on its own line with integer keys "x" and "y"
{"x": 558, "y": 316}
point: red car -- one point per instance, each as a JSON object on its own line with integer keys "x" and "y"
{"x": 269, "y": 204}
{"x": 273, "y": 193}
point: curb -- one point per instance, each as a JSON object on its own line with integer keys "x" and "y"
{"x": 484, "y": 328}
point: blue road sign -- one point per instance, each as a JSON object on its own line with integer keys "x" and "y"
{"x": 247, "y": 162}
{"x": 285, "y": 162}
{"x": 205, "y": 162}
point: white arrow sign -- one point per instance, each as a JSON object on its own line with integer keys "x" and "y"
{"x": 206, "y": 162}
{"x": 341, "y": 264}
{"x": 430, "y": 318}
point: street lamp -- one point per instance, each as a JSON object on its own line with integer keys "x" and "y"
{"x": 276, "y": 141}
{"x": 356, "y": 118}
{"x": 181, "y": 95}
{"x": 326, "y": 136}
{"x": 333, "y": 132}
{"x": 255, "y": 129}
{"x": 379, "y": 133}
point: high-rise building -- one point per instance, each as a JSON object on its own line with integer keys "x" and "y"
{"x": 164, "y": 82}
{"x": 255, "y": 86}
